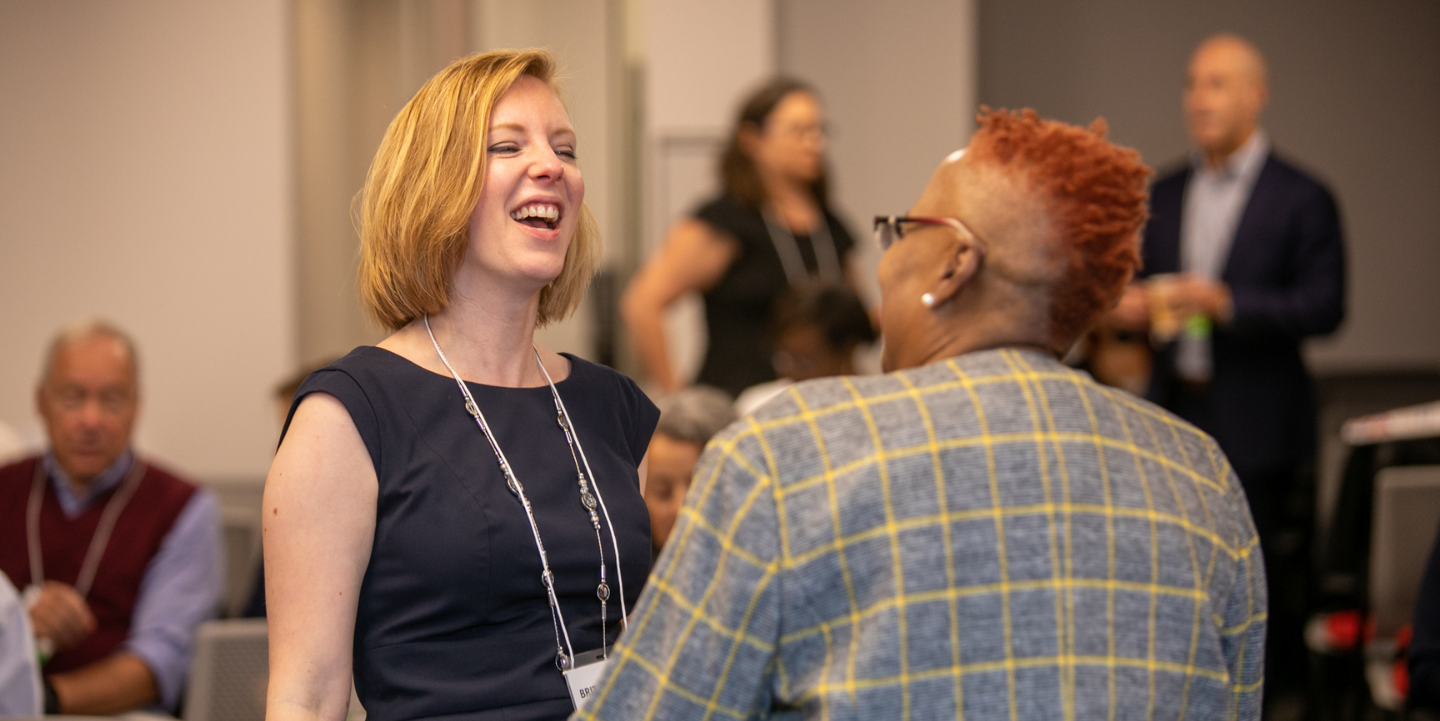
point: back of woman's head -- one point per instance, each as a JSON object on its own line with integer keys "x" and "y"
{"x": 739, "y": 174}
{"x": 1098, "y": 203}
{"x": 424, "y": 183}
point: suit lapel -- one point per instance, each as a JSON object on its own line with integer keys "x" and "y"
{"x": 1162, "y": 253}
{"x": 1248, "y": 230}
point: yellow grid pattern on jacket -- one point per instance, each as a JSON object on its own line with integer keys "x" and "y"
{"x": 994, "y": 536}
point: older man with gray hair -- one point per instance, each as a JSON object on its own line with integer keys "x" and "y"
{"x": 120, "y": 559}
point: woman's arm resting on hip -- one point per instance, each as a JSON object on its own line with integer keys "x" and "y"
{"x": 693, "y": 258}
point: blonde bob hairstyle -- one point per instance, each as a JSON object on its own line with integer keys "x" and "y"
{"x": 423, "y": 186}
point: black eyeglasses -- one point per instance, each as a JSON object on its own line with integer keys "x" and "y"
{"x": 890, "y": 228}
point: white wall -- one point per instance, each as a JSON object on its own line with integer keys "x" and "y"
{"x": 146, "y": 178}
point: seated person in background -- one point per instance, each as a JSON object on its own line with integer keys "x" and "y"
{"x": 687, "y": 421}
{"x": 816, "y": 327}
{"x": 983, "y": 532}
{"x": 121, "y": 559}
{"x": 20, "y": 690}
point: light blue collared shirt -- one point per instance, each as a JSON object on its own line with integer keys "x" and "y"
{"x": 20, "y": 693}
{"x": 181, "y": 587}
{"x": 1215, "y": 199}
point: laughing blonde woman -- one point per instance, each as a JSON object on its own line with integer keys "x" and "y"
{"x": 456, "y": 514}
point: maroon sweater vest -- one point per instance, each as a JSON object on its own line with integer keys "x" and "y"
{"x": 138, "y": 533}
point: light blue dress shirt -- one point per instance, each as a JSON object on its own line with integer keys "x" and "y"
{"x": 1215, "y": 198}
{"x": 20, "y": 693}
{"x": 182, "y": 584}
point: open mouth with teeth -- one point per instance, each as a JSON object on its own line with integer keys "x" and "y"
{"x": 537, "y": 215}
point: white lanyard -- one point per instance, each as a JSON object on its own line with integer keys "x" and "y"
{"x": 98, "y": 541}
{"x": 827, "y": 263}
{"x": 565, "y": 655}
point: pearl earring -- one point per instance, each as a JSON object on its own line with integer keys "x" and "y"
{"x": 928, "y": 299}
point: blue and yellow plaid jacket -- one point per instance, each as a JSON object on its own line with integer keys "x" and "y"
{"x": 995, "y": 536}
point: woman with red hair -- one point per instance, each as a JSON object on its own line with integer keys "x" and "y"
{"x": 982, "y": 532}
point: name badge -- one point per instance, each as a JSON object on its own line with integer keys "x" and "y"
{"x": 583, "y": 679}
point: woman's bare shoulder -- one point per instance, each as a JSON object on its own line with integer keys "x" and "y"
{"x": 322, "y": 440}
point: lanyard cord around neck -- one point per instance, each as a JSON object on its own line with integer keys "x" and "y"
{"x": 564, "y": 652}
{"x": 827, "y": 263}
{"x": 615, "y": 544}
{"x": 587, "y": 499}
{"x": 98, "y": 541}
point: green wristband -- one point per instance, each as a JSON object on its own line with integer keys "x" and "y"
{"x": 1197, "y": 327}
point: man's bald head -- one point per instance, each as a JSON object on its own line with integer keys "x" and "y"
{"x": 91, "y": 330}
{"x": 1232, "y": 48}
{"x": 1226, "y": 89}
{"x": 1056, "y": 212}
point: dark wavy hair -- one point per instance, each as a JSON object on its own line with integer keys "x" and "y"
{"x": 738, "y": 174}
{"x": 832, "y": 307}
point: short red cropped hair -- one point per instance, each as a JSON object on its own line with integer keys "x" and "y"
{"x": 1096, "y": 193}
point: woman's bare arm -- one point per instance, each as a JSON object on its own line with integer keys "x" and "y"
{"x": 318, "y": 528}
{"x": 693, "y": 258}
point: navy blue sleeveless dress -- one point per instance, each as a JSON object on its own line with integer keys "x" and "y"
{"x": 453, "y": 621}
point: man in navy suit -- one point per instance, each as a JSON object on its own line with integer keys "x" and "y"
{"x": 1246, "y": 250}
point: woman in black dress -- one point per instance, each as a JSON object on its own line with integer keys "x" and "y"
{"x": 456, "y": 515}
{"x": 770, "y": 229}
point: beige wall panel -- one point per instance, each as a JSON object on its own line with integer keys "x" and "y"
{"x": 147, "y": 178}
{"x": 898, "y": 80}
{"x": 584, "y": 36}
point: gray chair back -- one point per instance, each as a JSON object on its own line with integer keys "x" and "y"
{"x": 1407, "y": 513}
{"x": 229, "y": 673}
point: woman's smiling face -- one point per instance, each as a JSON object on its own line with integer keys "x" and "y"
{"x": 529, "y": 204}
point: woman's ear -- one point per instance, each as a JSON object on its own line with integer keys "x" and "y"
{"x": 960, "y": 265}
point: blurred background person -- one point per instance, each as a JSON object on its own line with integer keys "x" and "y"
{"x": 1115, "y": 357}
{"x": 120, "y": 558}
{"x": 1245, "y": 258}
{"x": 771, "y": 228}
{"x": 816, "y": 328}
{"x": 688, "y": 419}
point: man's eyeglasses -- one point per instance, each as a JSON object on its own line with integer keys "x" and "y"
{"x": 890, "y": 228}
